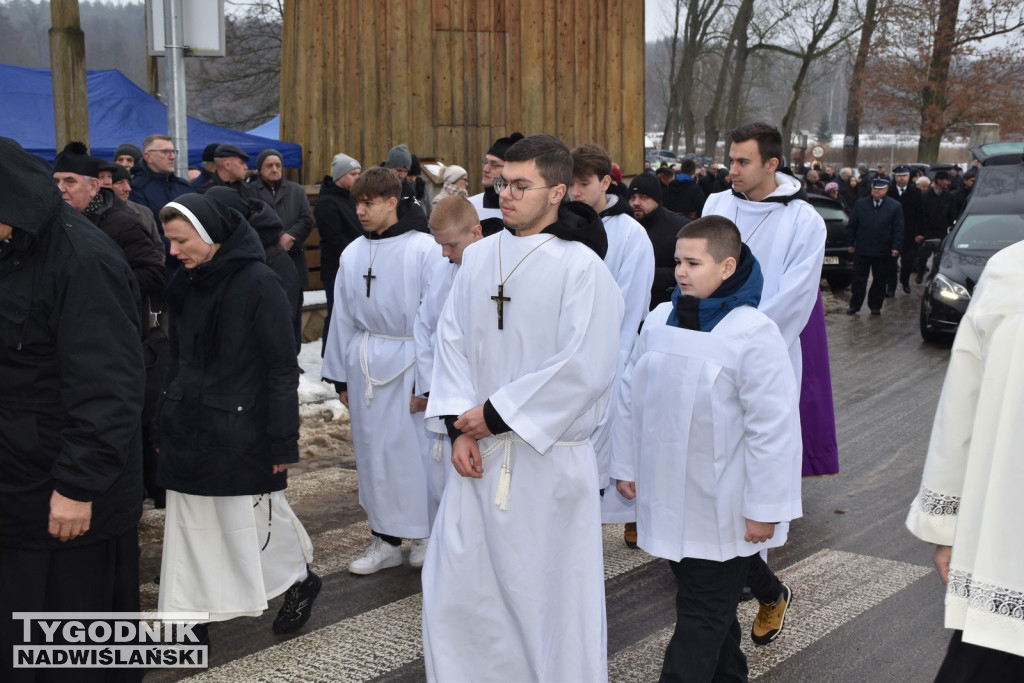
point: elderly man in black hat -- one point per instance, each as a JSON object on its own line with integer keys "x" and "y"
{"x": 208, "y": 167}
{"x": 230, "y": 170}
{"x": 662, "y": 228}
{"x": 288, "y": 199}
{"x": 77, "y": 174}
{"x": 874, "y": 236}
{"x": 486, "y": 203}
{"x": 938, "y": 214}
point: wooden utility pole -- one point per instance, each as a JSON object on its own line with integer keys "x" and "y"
{"x": 67, "y": 69}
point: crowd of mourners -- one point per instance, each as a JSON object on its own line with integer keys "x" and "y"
{"x": 649, "y": 353}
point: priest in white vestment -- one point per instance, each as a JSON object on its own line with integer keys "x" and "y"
{"x": 381, "y": 281}
{"x": 513, "y": 584}
{"x": 973, "y": 476}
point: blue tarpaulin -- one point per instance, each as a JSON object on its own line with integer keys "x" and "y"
{"x": 271, "y": 129}
{"x": 119, "y": 112}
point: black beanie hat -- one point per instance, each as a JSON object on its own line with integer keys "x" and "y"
{"x": 647, "y": 184}
{"x": 268, "y": 152}
{"x": 74, "y": 158}
{"x": 414, "y": 167}
{"x": 119, "y": 172}
{"x": 129, "y": 149}
{"x": 501, "y": 145}
{"x": 202, "y": 213}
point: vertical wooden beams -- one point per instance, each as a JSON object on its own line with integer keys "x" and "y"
{"x": 67, "y": 55}
{"x": 448, "y": 77}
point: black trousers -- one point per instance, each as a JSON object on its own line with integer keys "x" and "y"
{"x": 98, "y": 577}
{"x": 762, "y": 581}
{"x": 923, "y": 254}
{"x": 967, "y": 663}
{"x": 706, "y": 642}
{"x": 878, "y": 267}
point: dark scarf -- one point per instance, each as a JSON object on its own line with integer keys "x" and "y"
{"x": 490, "y": 198}
{"x": 742, "y": 288}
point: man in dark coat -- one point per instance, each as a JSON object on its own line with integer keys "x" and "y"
{"x": 288, "y": 200}
{"x": 682, "y": 195}
{"x": 662, "y": 228}
{"x": 154, "y": 183}
{"x": 336, "y": 219}
{"x": 938, "y": 213}
{"x": 909, "y": 197}
{"x": 73, "y": 380}
{"x": 874, "y": 235}
{"x": 411, "y": 213}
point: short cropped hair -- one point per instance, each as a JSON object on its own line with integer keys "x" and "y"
{"x": 375, "y": 182}
{"x": 591, "y": 159}
{"x": 688, "y": 166}
{"x": 147, "y": 144}
{"x": 454, "y": 213}
{"x": 769, "y": 139}
{"x": 551, "y": 155}
{"x": 721, "y": 233}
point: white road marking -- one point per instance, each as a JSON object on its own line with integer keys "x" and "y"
{"x": 830, "y": 588}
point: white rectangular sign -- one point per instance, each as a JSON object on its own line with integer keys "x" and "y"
{"x": 204, "y": 27}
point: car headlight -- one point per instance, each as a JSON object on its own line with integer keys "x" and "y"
{"x": 947, "y": 289}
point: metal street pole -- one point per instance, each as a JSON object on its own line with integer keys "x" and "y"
{"x": 174, "y": 46}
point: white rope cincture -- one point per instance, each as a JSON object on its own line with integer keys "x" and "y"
{"x": 506, "y": 440}
{"x": 365, "y": 366}
{"x": 437, "y": 450}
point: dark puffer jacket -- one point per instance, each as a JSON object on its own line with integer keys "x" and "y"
{"x": 71, "y": 370}
{"x": 230, "y": 409}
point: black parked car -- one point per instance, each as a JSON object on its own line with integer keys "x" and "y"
{"x": 992, "y": 220}
{"x": 837, "y": 268}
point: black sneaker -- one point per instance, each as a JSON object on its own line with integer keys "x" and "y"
{"x": 298, "y": 605}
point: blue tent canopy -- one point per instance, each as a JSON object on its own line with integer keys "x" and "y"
{"x": 119, "y": 112}
{"x": 271, "y": 129}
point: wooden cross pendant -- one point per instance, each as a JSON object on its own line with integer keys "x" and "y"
{"x": 500, "y": 300}
{"x": 369, "y": 276}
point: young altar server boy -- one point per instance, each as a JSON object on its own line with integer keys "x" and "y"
{"x": 707, "y": 440}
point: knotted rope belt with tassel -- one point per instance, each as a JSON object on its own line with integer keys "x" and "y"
{"x": 364, "y": 363}
{"x": 506, "y": 440}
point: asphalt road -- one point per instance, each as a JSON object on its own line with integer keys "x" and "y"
{"x": 867, "y": 602}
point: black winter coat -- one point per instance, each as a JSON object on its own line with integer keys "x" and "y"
{"x": 662, "y": 227}
{"x": 938, "y": 213}
{"x": 144, "y": 257}
{"x": 910, "y": 201}
{"x": 154, "y": 190}
{"x": 336, "y": 219}
{"x": 72, "y": 375}
{"x": 230, "y": 408}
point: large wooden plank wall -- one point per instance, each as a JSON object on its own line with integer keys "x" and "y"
{"x": 448, "y": 77}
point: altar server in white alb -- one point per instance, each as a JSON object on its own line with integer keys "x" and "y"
{"x": 370, "y": 355}
{"x": 787, "y": 236}
{"x": 513, "y": 584}
{"x": 969, "y": 502}
{"x": 707, "y": 440}
{"x": 454, "y": 225}
{"x": 630, "y": 259}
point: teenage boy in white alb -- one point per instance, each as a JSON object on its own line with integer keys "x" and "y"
{"x": 513, "y": 584}
{"x": 630, "y": 259}
{"x": 382, "y": 277}
{"x": 707, "y": 440}
{"x": 787, "y": 236}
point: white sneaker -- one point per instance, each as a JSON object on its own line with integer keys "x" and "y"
{"x": 418, "y": 552}
{"x": 380, "y": 555}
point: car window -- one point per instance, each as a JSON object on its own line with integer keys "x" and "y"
{"x": 988, "y": 232}
{"x": 830, "y": 213}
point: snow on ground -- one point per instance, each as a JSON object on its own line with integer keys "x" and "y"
{"x": 326, "y": 436}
